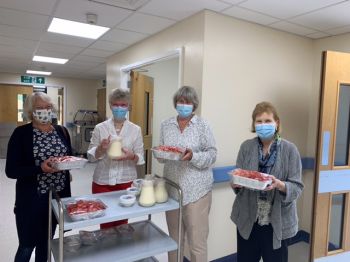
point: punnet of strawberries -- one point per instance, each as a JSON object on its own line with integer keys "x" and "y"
{"x": 251, "y": 174}
{"x": 172, "y": 149}
{"x": 85, "y": 206}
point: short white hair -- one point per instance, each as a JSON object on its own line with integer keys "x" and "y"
{"x": 30, "y": 102}
{"x": 119, "y": 94}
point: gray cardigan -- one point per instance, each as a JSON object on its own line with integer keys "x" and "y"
{"x": 287, "y": 168}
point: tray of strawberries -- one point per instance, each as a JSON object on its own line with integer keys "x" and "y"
{"x": 68, "y": 162}
{"x": 250, "y": 179}
{"x": 168, "y": 152}
{"x": 85, "y": 208}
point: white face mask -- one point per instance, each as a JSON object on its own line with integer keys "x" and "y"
{"x": 43, "y": 116}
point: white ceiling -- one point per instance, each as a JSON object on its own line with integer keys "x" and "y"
{"x": 24, "y": 23}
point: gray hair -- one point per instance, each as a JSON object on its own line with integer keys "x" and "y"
{"x": 31, "y": 100}
{"x": 189, "y": 94}
{"x": 119, "y": 94}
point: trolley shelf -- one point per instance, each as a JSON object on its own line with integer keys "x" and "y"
{"x": 114, "y": 211}
{"x": 147, "y": 240}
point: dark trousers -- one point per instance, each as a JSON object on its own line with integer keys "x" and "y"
{"x": 31, "y": 213}
{"x": 35, "y": 237}
{"x": 259, "y": 245}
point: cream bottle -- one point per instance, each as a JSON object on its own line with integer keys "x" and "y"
{"x": 147, "y": 197}
{"x": 161, "y": 193}
{"x": 115, "y": 147}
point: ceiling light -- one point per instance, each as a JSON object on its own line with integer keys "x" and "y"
{"x": 68, "y": 27}
{"x": 47, "y": 59}
{"x": 38, "y": 72}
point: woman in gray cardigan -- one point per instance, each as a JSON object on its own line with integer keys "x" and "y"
{"x": 265, "y": 219}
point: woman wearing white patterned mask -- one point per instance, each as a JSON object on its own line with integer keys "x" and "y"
{"x": 116, "y": 173}
{"x": 29, "y": 153}
{"x": 193, "y": 173}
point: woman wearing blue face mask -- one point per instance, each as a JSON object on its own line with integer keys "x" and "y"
{"x": 117, "y": 173}
{"x": 193, "y": 173}
{"x": 29, "y": 153}
{"x": 266, "y": 219}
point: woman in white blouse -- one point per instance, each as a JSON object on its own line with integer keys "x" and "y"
{"x": 116, "y": 173}
{"x": 193, "y": 173}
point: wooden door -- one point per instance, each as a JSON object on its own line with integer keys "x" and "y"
{"x": 141, "y": 111}
{"x": 101, "y": 104}
{"x": 331, "y": 227}
{"x": 12, "y": 99}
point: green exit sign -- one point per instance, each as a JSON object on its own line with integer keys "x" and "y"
{"x": 33, "y": 80}
{"x": 27, "y": 79}
{"x": 39, "y": 80}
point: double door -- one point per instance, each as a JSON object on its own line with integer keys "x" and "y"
{"x": 331, "y": 218}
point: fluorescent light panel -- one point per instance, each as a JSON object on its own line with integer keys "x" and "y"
{"x": 38, "y": 72}
{"x": 67, "y": 27}
{"x": 47, "y": 59}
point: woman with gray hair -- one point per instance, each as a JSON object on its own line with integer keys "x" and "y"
{"x": 30, "y": 151}
{"x": 193, "y": 173}
{"x": 114, "y": 173}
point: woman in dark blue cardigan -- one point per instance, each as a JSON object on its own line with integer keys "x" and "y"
{"x": 30, "y": 149}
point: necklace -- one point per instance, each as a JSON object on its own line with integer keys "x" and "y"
{"x": 118, "y": 126}
{"x": 183, "y": 123}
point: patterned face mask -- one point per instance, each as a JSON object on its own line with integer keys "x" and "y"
{"x": 43, "y": 116}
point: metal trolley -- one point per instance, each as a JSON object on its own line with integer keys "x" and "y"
{"x": 84, "y": 122}
{"x": 57, "y": 205}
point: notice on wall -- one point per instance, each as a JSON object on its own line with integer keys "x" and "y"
{"x": 40, "y": 89}
{"x": 40, "y": 80}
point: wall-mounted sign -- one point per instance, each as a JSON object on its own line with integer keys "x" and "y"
{"x": 33, "y": 79}
{"x": 40, "y": 89}
{"x": 39, "y": 80}
{"x": 27, "y": 79}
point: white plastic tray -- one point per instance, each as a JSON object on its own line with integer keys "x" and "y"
{"x": 167, "y": 155}
{"x": 73, "y": 163}
{"x": 249, "y": 182}
{"x": 85, "y": 215}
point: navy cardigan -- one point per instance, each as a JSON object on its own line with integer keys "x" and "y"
{"x": 20, "y": 163}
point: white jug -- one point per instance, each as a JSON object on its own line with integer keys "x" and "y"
{"x": 115, "y": 147}
{"x": 147, "y": 197}
{"x": 160, "y": 191}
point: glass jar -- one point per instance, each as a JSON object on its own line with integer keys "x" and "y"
{"x": 161, "y": 193}
{"x": 147, "y": 197}
{"x": 115, "y": 147}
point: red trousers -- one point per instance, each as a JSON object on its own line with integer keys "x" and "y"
{"x": 96, "y": 188}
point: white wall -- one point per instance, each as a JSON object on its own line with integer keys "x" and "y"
{"x": 165, "y": 75}
{"x": 80, "y": 93}
{"x": 245, "y": 64}
{"x": 234, "y": 65}
{"x": 187, "y": 33}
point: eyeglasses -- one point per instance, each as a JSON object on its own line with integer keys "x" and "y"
{"x": 43, "y": 107}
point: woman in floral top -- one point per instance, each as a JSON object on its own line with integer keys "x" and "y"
{"x": 30, "y": 151}
{"x": 193, "y": 173}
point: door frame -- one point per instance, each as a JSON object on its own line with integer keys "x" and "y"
{"x": 328, "y": 140}
{"x": 176, "y": 53}
{"x": 64, "y": 101}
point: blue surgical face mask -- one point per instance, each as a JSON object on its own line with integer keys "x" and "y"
{"x": 265, "y": 131}
{"x": 184, "y": 110}
{"x": 119, "y": 112}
